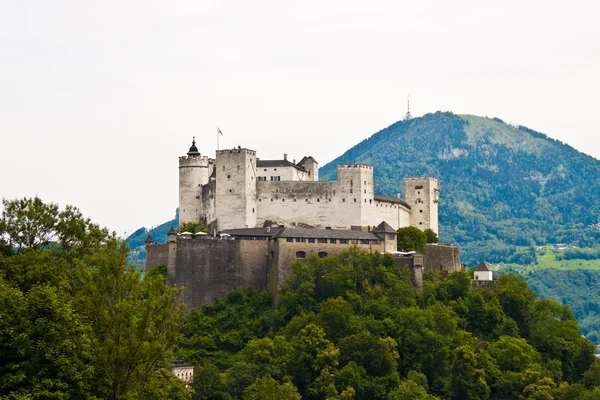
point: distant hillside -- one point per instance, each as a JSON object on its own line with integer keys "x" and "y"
{"x": 503, "y": 188}
{"x": 136, "y": 240}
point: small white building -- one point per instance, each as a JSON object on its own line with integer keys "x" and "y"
{"x": 483, "y": 272}
{"x": 183, "y": 371}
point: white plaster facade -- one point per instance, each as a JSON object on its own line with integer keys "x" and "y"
{"x": 483, "y": 275}
{"x": 232, "y": 192}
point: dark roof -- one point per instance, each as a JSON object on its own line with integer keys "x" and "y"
{"x": 390, "y": 199}
{"x": 251, "y": 231}
{"x": 193, "y": 149}
{"x": 171, "y": 232}
{"x": 149, "y": 239}
{"x": 277, "y": 163}
{"x": 306, "y": 158}
{"x": 384, "y": 227}
{"x": 325, "y": 234}
{"x": 483, "y": 266}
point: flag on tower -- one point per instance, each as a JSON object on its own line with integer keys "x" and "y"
{"x": 219, "y": 131}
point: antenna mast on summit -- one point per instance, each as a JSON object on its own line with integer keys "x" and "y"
{"x": 408, "y": 114}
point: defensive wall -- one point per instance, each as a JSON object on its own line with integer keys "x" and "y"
{"x": 210, "y": 267}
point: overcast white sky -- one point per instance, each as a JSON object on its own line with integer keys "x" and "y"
{"x": 99, "y": 98}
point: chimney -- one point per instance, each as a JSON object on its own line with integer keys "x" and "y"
{"x": 294, "y": 161}
{"x": 285, "y": 156}
{"x": 268, "y": 229}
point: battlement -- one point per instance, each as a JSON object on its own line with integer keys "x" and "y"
{"x": 238, "y": 150}
{"x": 194, "y": 161}
{"x": 421, "y": 178}
{"x": 351, "y": 166}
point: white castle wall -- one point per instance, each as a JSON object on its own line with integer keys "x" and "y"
{"x": 236, "y": 199}
{"x": 284, "y": 174}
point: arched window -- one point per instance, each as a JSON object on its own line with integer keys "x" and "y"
{"x": 322, "y": 254}
{"x": 301, "y": 254}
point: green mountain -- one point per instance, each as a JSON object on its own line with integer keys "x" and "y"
{"x": 503, "y": 188}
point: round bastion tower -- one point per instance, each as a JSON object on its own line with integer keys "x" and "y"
{"x": 193, "y": 173}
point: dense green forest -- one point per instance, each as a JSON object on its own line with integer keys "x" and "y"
{"x": 77, "y": 321}
{"x": 501, "y": 186}
{"x": 580, "y": 289}
{"x": 353, "y": 327}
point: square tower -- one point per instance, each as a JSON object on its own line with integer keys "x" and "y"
{"x": 235, "y": 203}
{"x": 422, "y": 196}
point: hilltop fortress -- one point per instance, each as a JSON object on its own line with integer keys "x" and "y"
{"x": 264, "y": 214}
{"x": 238, "y": 190}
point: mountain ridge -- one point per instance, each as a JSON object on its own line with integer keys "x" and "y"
{"x": 503, "y": 188}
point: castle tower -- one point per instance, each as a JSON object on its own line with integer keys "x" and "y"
{"x": 193, "y": 173}
{"x": 235, "y": 189}
{"x": 311, "y": 166}
{"x": 422, "y": 196}
{"x": 356, "y": 185}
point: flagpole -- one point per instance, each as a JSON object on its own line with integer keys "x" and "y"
{"x": 217, "y": 138}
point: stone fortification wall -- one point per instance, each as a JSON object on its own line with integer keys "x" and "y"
{"x": 285, "y": 254}
{"x": 156, "y": 255}
{"x": 208, "y": 269}
{"x": 316, "y": 204}
{"x": 442, "y": 257}
{"x": 325, "y": 204}
{"x": 416, "y": 271}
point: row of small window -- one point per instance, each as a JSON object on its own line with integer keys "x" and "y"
{"x": 273, "y": 178}
{"x": 302, "y": 254}
{"x": 334, "y": 241}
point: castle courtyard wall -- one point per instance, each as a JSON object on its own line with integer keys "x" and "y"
{"x": 156, "y": 255}
{"x": 442, "y": 257}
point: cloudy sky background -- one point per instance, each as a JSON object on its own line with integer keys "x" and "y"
{"x": 98, "y": 99}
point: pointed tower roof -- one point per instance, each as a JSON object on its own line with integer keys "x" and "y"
{"x": 483, "y": 266}
{"x": 193, "y": 149}
{"x": 384, "y": 227}
{"x": 149, "y": 240}
{"x": 171, "y": 232}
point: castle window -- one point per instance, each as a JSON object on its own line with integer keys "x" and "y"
{"x": 278, "y": 178}
{"x": 301, "y": 254}
{"x": 311, "y": 240}
{"x": 282, "y": 199}
{"x": 420, "y": 210}
{"x": 228, "y": 176}
{"x": 370, "y": 201}
{"x": 306, "y": 200}
{"x": 355, "y": 200}
{"x": 365, "y": 182}
{"x": 333, "y": 241}
{"x": 364, "y": 241}
{"x": 353, "y": 241}
{"x": 230, "y": 191}
{"x": 365, "y": 191}
{"x": 294, "y": 199}
{"x": 365, "y": 200}
{"x": 238, "y": 168}
{"x": 300, "y": 240}
{"x": 318, "y": 200}
{"x": 289, "y": 240}
{"x": 322, "y": 254}
{"x": 259, "y": 199}
{"x": 350, "y": 190}
{"x": 265, "y": 169}
{"x": 391, "y": 237}
{"x": 343, "y": 241}
{"x": 420, "y": 223}
{"x": 276, "y": 190}
{"x": 274, "y": 169}
{"x": 375, "y": 241}
{"x": 334, "y": 192}
{"x": 271, "y": 200}
{"x": 253, "y": 210}
{"x": 321, "y": 240}
{"x": 343, "y": 200}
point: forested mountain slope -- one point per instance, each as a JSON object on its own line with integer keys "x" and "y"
{"x": 501, "y": 186}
